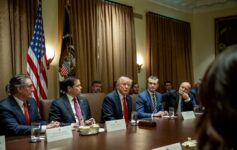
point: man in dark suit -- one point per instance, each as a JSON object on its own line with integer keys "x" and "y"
{"x": 70, "y": 108}
{"x": 180, "y": 99}
{"x": 118, "y": 103}
{"x": 148, "y": 103}
{"x": 19, "y": 109}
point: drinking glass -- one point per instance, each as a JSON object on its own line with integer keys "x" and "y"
{"x": 171, "y": 112}
{"x": 35, "y": 132}
{"x": 134, "y": 118}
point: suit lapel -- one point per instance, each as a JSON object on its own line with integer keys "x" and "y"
{"x": 118, "y": 102}
{"x": 149, "y": 101}
{"x": 17, "y": 111}
{"x": 68, "y": 106}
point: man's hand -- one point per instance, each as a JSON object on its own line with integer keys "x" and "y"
{"x": 53, "y": 124}
{"x": 184, "y": 95}
{"x": 90, "y": 121}
{"x": 75, "y": 125}
{"x": 160, "y": 114}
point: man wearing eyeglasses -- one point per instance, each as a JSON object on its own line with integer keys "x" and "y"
{"x": 19, "y": 109}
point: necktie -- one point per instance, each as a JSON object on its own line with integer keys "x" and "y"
{"x": 179, "y": 106}
{"x": 77, "y": 110}
{"x": 27, "y": 116}
{"x": 154, "y": 103}
{"x": 125, "y": 109}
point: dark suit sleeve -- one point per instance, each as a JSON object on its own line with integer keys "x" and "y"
{"x": 188, "y": 106}
{"x": 85, "y": 107}
{"x": 108, "y": 109}
{"x": 34, "y": 113}
{"x": 10, "y": 125}
{"x": 55, "y": 114}
{"x": 140, "y": 107}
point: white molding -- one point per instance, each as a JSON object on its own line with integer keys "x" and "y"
{"x": 197, "y": 6}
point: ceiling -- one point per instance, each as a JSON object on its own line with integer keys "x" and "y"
{"x": 196, "y": 5}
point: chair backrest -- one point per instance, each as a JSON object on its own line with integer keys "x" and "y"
{"x": 44, "y": 108}
{"x": 134, "y": 97}
{"x": 95, "y": 101}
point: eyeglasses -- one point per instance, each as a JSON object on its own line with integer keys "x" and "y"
{"x": 28, "y": 86}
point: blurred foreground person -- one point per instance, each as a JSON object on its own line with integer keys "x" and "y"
{"x": 217, "y": 127}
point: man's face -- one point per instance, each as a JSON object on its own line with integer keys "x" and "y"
{"x": 75, "y": 90}
{"x": 184, "y": 87}
{"x": 124, "y": 87}
{"x": 152, "y": 85}
{"x": 168, "y": 86}
{"x": 96, "y": 88}
{"x": 26, "y": 90}
{"x": 135, "y": 89}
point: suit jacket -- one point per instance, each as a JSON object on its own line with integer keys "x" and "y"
{"x": 171, "y": 99}
{"x": 12, "y": 119}
{"x": 62, "y": 112}
{"x": 112, "y": 108}
{"x": 144, "y": 105}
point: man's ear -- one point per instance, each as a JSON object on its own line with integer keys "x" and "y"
{"x": 69, "y": 88}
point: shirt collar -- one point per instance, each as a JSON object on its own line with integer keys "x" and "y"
{"x": 120, "y": 95}
{"x": 70, "y": 98}
{"x": 151, "y": 93}
{"x": 19, "y": 102}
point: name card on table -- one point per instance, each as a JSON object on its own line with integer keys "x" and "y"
{"x": 60, "y": 133}
{"x": 2, "y": 143}
{"x": 115, "y": 125}
{"x": 176, "y": 146}
{"x": 188, "y": 115}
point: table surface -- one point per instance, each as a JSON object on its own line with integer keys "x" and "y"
{"x": 167, "y": 131}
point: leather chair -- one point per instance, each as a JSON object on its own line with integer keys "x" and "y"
{"x": 95, "y": 101}
{"x": 134, "y": 97}
{"x": 44, "y": 108}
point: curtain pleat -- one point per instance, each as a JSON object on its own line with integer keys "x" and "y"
{"x": 104, "y": 40}
{"x": 168, "y": 49}
{"x": 16, "y": 28}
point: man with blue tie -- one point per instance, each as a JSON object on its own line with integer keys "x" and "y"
{"x": 148, "y": 103}
{"x": 71, "y": 108}
{"x": 19, "y": 109}
{"x": 118, "y": 103}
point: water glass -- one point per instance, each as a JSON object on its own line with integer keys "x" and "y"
{"x": 35, "y": 132}
{"x": 171, "y": 112}
{"x": 134, "y": 116}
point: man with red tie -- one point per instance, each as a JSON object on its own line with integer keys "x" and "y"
{"x": 71, "y": 108}
{"x": 19, "y": 109}
{"x": 118, "y": 103}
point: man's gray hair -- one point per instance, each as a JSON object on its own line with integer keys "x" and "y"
{"x": 123, "y": 78}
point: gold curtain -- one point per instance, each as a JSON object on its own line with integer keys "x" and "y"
{"x": 61, "y": 11}
{"x": 16, "y": 28}
{"x": 169, "y": 49}
{"x": 104, "y": 40}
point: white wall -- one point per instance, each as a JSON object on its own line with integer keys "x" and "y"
{"x": 204, "y": 39}
{"x": 50, "y": 20}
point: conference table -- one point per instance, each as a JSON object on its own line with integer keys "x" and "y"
{"x": 167, "y": 131}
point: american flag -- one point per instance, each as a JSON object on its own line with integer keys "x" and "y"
{"x": 36, "y": 59}
{"x": 65, "y": 69}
